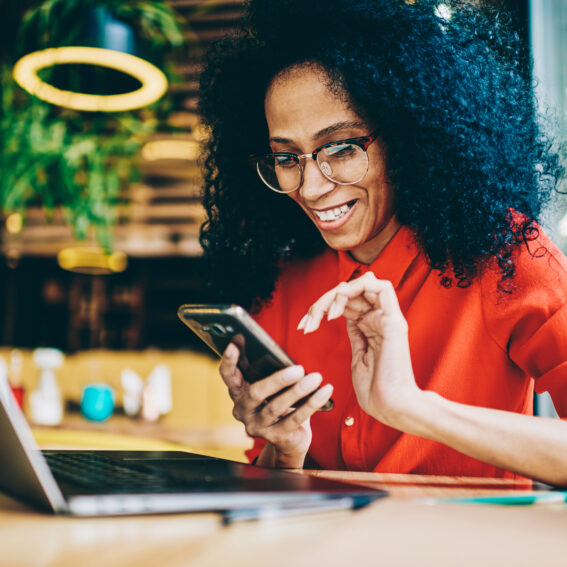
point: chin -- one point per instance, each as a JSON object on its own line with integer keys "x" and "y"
{"x": 342, "y": 246}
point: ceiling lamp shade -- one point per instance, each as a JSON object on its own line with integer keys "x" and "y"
{"x": 91, "y": 260}
{"x": 153, "y": 80}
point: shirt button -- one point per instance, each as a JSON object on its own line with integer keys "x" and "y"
{"x": 349, "y": 421}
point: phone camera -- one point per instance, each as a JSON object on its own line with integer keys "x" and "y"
{"x": 216, "y": 329}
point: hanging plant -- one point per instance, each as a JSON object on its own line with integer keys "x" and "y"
{"x": 62, "y": 22}
{"x": 79, "y": 161}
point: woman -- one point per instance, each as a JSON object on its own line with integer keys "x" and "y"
{"x": 385, "y": 234}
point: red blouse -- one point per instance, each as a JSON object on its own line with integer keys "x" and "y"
{"x": 473, "y": 345}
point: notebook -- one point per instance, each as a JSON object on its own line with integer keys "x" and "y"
{"x": 111, "y": 483}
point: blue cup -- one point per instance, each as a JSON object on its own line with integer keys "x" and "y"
{"x": 97, "y": 402}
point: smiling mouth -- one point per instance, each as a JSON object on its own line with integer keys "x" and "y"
{"x": 334, "y": 214}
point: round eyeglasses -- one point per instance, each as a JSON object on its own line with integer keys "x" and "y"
{"x": 344, "y": 162}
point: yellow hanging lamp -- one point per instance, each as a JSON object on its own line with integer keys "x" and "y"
{"x": 153, "y": 80}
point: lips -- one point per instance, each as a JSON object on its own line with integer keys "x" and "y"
{"x": 334, "y": 217}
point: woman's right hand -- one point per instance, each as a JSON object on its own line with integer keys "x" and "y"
{"x": 286, "y": 430}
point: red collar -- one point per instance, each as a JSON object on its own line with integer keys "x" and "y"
{"x": 391, "y": 264}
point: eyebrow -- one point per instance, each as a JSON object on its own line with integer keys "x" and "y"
{"x": 325, "y": 131}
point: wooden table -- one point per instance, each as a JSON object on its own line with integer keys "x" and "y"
{"x": 406, "y": 529}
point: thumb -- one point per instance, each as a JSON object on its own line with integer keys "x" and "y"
{"x": 358, "y": 341}
{"x": 229, "y": 370}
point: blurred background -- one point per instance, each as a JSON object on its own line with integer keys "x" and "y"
{"x": 100, "y": 212}
{"x": 100, "y": 195}
{"x": 127, "y": 180}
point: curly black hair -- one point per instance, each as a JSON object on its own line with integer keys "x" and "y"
{"x": 449, "y": 88}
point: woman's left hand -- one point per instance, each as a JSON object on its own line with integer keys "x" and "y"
{"x": 385, "y": 387}
{"x": 381, "y": 367}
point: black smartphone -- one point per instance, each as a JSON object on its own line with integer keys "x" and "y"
{"x": 220, "y": 325}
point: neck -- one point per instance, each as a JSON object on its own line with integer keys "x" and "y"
{"x": 369, "y": 251}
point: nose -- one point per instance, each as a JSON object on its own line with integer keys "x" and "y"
{"x": 315, "y": 184}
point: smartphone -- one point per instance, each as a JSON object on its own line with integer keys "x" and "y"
{"x": 220, "y": 325}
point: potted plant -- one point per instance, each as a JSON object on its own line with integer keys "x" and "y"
{"x": 76, "y": 160}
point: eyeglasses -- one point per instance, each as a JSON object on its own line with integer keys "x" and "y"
{"x": 344, "y": 162}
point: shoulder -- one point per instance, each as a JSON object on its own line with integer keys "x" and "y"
{"x": 539, "y": 290}
{"x": 538, "y": 263}
{"x": 541, "y": 267}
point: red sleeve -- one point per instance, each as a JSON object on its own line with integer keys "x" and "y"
{"x": 532, "y": 326}
{"x": 253, "y": 453}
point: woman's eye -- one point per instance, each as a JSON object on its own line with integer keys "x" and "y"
{"x": 284, "y": 161}
{"x": 341, "y": 151}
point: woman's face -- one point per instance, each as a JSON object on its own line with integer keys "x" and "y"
{"x": 303, "y": 114}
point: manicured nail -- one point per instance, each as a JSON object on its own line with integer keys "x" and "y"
{"x": 311, "y": 381}
{"x": 310, "y": 325}
{"x": 232, "y": 351}
{"x": 303, "y": 321}
{"x": 323, "y": 393}
{"x": 333, "y": 311}
{"x": 293, "y": 373}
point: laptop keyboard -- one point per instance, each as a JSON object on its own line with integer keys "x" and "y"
{"x": 77, "y": 472}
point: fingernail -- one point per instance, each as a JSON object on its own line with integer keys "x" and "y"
{"x": 311, "y": 381}
{"x": 303, "y": 321}
{"x": 293, "y": 373}
{"x": 323, "y": 393}
{"x": 231, "y": 350}
{"x": 333, "y": 311}
{"x": 310, "y": 325}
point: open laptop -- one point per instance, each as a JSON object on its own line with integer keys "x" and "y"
{"x": 109, "y": 483}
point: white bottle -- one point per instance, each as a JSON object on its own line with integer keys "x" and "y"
{"x": 156, "y": 397}
{"x": 46, "y": 407}
{"x": 132, "y": 397}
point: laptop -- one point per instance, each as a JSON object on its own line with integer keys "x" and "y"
{"x": 113, "y": 483}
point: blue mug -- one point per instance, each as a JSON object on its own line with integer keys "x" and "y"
{"x": 97, "y": 402}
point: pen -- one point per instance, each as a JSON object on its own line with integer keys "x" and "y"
{"x": 276, "y": 511}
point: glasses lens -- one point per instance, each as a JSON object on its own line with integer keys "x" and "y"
{"x": 280, "y": 172}
{"x": 343, "y": 163}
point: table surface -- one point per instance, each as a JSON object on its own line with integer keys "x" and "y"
{"x": 410, "y": 527}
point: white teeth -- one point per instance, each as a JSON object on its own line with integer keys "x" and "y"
{"x": 333, "y": 214}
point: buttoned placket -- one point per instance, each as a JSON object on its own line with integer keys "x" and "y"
{"x": 353, "y": 419}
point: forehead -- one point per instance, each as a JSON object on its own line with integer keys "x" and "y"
{"x": 300, "y": 102}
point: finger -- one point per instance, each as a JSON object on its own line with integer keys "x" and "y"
{"x": 315, "y": 402}
{"x": 303, "y": 321}
{"x": 258, "y": 392}
{"x": 358, "y": 340}
{"x": 229, "y": 370}
{"x": 371, "y": 297}
{"x": 281, "y": 404}
{"x": 366, "y": 287}
{"x": 351, "y": 308}
{"x": 337, "y": 307}
{"x": 387, "y": 310}
{"x": 318, "y": 309}
{"x": 388, "y": 298}
{"x": 368, "y": 292}
{"x": 335, "y": 301}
